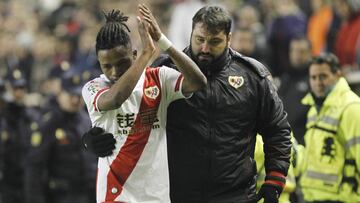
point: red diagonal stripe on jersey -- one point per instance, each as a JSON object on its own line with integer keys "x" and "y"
{"x": 130, "y": 153}
{"x": 177, "y": 85}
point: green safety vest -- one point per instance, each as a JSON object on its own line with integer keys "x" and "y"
{"x": 329, "y": 171}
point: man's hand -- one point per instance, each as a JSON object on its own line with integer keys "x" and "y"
{"x": 154, "y": 28}
{"x": 269, "y": 193}
{"x": 146, "y": 38}
{"x": 99, "y": 142}
{"x": 272, "y": 187}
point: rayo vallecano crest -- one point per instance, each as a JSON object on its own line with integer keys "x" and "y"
{"x": 152, "y": 92}
{"x": 236, "y": 81}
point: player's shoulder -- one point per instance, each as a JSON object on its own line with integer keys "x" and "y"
{"x": 153, "y": 72}
{"x": 96, "y": 84}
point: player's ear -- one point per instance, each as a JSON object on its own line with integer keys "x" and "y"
{"x": 134, "y": 54}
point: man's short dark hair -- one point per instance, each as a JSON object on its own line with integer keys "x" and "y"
{"x": 215, "y": 18}
{"x": 329, "y": 59}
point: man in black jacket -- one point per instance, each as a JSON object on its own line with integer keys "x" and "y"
{"x": 211, "y": 136}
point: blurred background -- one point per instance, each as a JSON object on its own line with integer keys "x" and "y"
{"x": 41, "y": 40}
{"x": 39, "y": 37}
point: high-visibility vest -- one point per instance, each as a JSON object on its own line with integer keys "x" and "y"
{"x": 332, "y": 141}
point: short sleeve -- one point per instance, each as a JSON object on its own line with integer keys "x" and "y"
{"x": 172, "y": 83}
{"x": 91, "y": 93}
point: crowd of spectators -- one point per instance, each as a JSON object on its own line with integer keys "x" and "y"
{"x": 38, "y": 36}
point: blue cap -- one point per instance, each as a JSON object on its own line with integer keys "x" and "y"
{"x": 18, "y": 82}
{"x": 16, "y": 79}
{"x": 72, "y": 82}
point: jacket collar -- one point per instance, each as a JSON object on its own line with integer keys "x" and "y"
{"x": 333, "y": 98}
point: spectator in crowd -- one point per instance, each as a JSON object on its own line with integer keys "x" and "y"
{"x": 16, "y": 123}
{"x": 243, "y": 41}
{"x": 248, "y": 17}
{"x": 85, "y": 56}
{"x": 51, "y": 87}
{"x": 294, "y": 85}
{"x": 331, "y": 158}
{"x": 319, "y": 24}
{"x": 348, "y": 37}
{"x": 288, "y": 23}
{"x": 57, "y": 169}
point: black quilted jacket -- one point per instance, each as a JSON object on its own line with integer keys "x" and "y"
{"x": 211, "y": 136}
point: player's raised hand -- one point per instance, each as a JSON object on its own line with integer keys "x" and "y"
{"x": 154, "y": 28}
{"x": 146, "y": 39}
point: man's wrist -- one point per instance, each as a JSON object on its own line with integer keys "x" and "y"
{"x": 164, "y": 43}
{"x": 275, "y": 179}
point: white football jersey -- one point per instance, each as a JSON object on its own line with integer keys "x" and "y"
{"x": 137, "y": 171}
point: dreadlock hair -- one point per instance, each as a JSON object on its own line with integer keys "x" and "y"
{"x": 114, "y": 33}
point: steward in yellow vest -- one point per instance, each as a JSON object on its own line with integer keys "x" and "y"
{"x": 330, "y": 171}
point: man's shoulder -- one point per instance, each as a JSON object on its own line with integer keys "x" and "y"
{"x": 252, "y": 64}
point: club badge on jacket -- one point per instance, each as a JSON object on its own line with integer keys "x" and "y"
{"x": 236, "y": 81}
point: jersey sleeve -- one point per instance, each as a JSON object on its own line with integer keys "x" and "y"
{"x": 91, "y": 92}
{"x": 171, "y": 81}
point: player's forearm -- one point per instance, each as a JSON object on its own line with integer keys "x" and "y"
{"x": 123, "y": 87}
{"x": 193, "y": 77}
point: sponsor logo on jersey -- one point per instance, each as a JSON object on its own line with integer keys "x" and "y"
{"x": 148, "y": 119}
{"x": 236, "y": 81}
{"x": 152, "y": 92}
{"x": 93, "y": 87}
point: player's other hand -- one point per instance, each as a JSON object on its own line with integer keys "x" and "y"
{"x": 146, "y": 39}
{"x": 99, "y": 142}
{"x": 154, "y": 28}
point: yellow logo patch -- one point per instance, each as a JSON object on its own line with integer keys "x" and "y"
{"x": 61, "y": 137}
{"x": 60, "y": 134}
{"x": 236, "y": 81}
{"x": 36, "y": 139}
{"x": 4, "y": 136}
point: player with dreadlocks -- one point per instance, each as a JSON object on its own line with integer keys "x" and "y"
{"x": 130, "y": 101}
